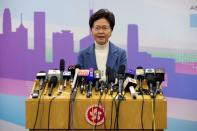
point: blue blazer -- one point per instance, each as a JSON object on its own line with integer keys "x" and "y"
{"x": 116, "y": 57}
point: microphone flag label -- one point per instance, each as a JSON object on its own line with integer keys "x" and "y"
{"x": 95, "y": 115}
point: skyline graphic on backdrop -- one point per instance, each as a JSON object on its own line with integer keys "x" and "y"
{"x": 19, "y": 62}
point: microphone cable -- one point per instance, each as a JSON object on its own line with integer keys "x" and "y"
{"x": 40, "y": 96}
{"x": 71, "y": 109}
{"x": 104, "y": 111}
{"x": 115, "y": 122}
{"x": 49, "y": 112}
{"x": 70, "y": 115}
{"x": 113, "y": 100}
{"x": 153, "y": 111}
{"x": 117, "y": 113}
{"x": 120, "y": 99}
{"x": 72, "y": 112}
{"x": 69, "y": 112}
{"x": 141, "y": 91}
{"x": 92, "y": 110}
{"x": 142, "y": 111}
{"x": 43, "y": 104}
{"x": 99, "y": 103}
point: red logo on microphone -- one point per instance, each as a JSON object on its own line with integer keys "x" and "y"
{"x": 95, "y": 115}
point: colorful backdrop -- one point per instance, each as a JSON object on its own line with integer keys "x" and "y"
{"x": 35, "y": 35}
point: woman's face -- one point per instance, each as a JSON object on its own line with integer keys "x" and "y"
{"x": 101, "y": 31}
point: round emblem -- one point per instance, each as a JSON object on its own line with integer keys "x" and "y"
{"x": 95, "y": 115}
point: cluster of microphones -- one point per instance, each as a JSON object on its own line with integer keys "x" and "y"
{"x": 87, "y": 80}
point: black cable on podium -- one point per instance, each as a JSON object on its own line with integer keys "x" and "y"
{"x": 49, "y": 112}
{"x": 142, "y": 111}
{"x": 120, "y": 98}
{"x": 116, "y": 120}
{"x": 153, "y": 111}
{"x": 140, "y": 77}
{"x": 113, "y": 101}
{"x": 69, "y": 112}
{"x": 71, "y": 108}
{"x": 99, "y": 102}
{"x": 40, "y": 96}
{"x": 71, "y": 102}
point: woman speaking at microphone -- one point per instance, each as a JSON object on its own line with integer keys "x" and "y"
{"x": 103, "y": 53}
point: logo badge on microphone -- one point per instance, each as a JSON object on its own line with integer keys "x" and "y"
{"x": 95, "y": 115}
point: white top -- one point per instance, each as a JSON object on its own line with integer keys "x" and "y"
{"x": 101, "y": 53}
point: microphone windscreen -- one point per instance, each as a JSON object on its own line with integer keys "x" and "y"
{"x": 139, "y": 71}
{"x": 78, "y": 66}
{"x": 139, "y": 67}
{"x": 53, "y": 80}
{"x": 160, "y": 74}
{"x": 41, "y": 74}
{"x": 121, "y": 69}
{"x": 111, "y": 75}
{"x": 62, "y": 65}
{"x": 97, "y": 74}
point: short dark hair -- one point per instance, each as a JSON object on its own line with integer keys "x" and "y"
{"x": 102, "y": 13}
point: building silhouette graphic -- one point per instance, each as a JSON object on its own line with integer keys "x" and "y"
{"x": 19, "y": 62}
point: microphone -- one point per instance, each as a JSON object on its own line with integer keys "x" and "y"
{"x": 121, "y": 75}
{"x": 74, "y": 83}
{"x": 90, "y": 81}
{"x": 41, "y": 76}
{"x": 111, "y": 79}
{"x": 83, "y": 74}
{"x": 130, "y": 73}
{"x": 102, "y": 86}
{"x": 160, "y": 77}
{"x": 129, "y": 85}
{"x": 66, "y": 77}
{"x": 140, "y": 77}
{"x": 52, "y": 84}
{"x": 54, "y": 72}
{"x": 97, "y": 76}
{"x": 150, "y": 79}
{"x": 71, "y": 68}
{"x": 61, "y": 67}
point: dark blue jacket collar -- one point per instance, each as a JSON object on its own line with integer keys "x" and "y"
{"x": 112, "y": 55}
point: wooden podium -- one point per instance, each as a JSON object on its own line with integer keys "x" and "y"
{"x": 133, "y": 113}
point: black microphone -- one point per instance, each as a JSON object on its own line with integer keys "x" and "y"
{"x": 41, "y": 76}
{"x": 61, "y": 67}
{"x": 150, "y": 79}
{"x": 140, "y": 77}
{"x": 102, "y": 86}
{"x": 83, "y": 74}
{"x": 90, "y": 82}
{"x": 97, "y": 76}
{"x": 71, "y": 68}
{"x": 111, "y": 79}
{"x": 75, "y": 80}
{"x": 52, "y": 84}
{"x": 66, "y": 77}
{"x": 102, "y": 83}
{"x": 160, "y": 77}
{"x": 121, "y": 76}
